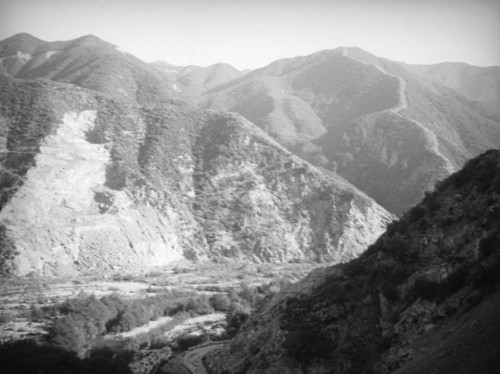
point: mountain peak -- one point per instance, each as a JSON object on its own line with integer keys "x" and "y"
{"x": 90, "y": 40}
{"x": 223, "y": 66}
{"x": 162, "y": 63}
{"x": 358, "y": 53}
{"x": 22, "y": 42}
{"x": 23, "y": 36}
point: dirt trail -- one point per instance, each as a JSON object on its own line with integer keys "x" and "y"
{"x": 432, "y": 143}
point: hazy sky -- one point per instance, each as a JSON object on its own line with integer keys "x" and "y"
{"x": 252, "y": 33}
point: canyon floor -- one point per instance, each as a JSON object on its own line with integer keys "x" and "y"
{"x": 20, "y": 297}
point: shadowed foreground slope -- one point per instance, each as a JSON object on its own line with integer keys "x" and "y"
{"x": 423, "y": 298}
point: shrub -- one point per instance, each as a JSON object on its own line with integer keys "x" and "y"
{"x": 28, "y": 356}
{"x": 105, "y": 360}
{"x": 424, "y": 288}
{"x": 417, "y": 212}
{"x": 487, "y": 274}
{"x": 189, "y": 340}
{"x": 220, "y": 302}
{"x": 68, "y": 333}
{"x": 237, "y": 315}
{"x": 89, "y": 309}
{"x": 199, "y": 305}
{"x": 247, "y": 293}
{"x": 114, "y": 303}
{"x": 490, "y": 243}
{"x": 307, "y": 344}
{"x": 133, "y": 316}
{"x": 86, "y": 318}
{"x": 432, "y": 201}
{"x": 399, "y": 248}
{"x": 357, "y": 353}
{"x": 454, "y": 282}
{"x": 355, "y": 268}
{"x": 391, "y": 293}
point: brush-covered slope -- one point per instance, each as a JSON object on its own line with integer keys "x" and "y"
{"x": 423, "y": 299}
{"x": 479, "y": 84}
{"x": 87, "y": 62}
{"x": 388, "y": 130}
{"x": 94, "y": 185}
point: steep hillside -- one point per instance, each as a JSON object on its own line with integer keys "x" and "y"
{"x": 92, "y": 185}
{"x": 391, "y": 132}
{"x": 87, "y": 62}
{"x": 424, "y": 298}
{"x": 480, "y": 85}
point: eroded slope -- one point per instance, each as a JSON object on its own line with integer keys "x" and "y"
{"x": 95, "y": 186}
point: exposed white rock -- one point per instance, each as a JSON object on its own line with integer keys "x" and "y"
{"x": 24, "y": 57}
{"x": 49, "y": 54}
{"x": 361, "y": 229}
{"x": 57, "y": 223}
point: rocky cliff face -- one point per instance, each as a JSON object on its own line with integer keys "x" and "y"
{"x": 96, "y": 185}
{"x": 423, "y": 298}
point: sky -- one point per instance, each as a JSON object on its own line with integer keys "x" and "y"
{"x": 253, "y": 33}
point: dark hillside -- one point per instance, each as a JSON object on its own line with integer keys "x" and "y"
{"x": 423, "y": 298}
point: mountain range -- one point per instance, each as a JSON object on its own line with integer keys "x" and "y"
{"x": 391, "y": 129}
{"x": 94, "y": 182}
{"x": 110, "y": 163}
{"x": 383, "y": 170}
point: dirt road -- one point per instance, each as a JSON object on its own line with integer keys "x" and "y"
{"x": 192, "y": 360}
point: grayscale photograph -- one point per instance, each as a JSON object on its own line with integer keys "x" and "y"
{"x": 249, "y": 187}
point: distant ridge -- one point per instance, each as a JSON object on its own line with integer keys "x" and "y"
{"x": 88, "y": 62}
{"x": 381, "y": 124}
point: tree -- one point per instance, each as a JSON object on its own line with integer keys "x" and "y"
{"x": 220, "y": 302}
{"x": 69, "y": 333}
{"x": 237, "y": 315}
